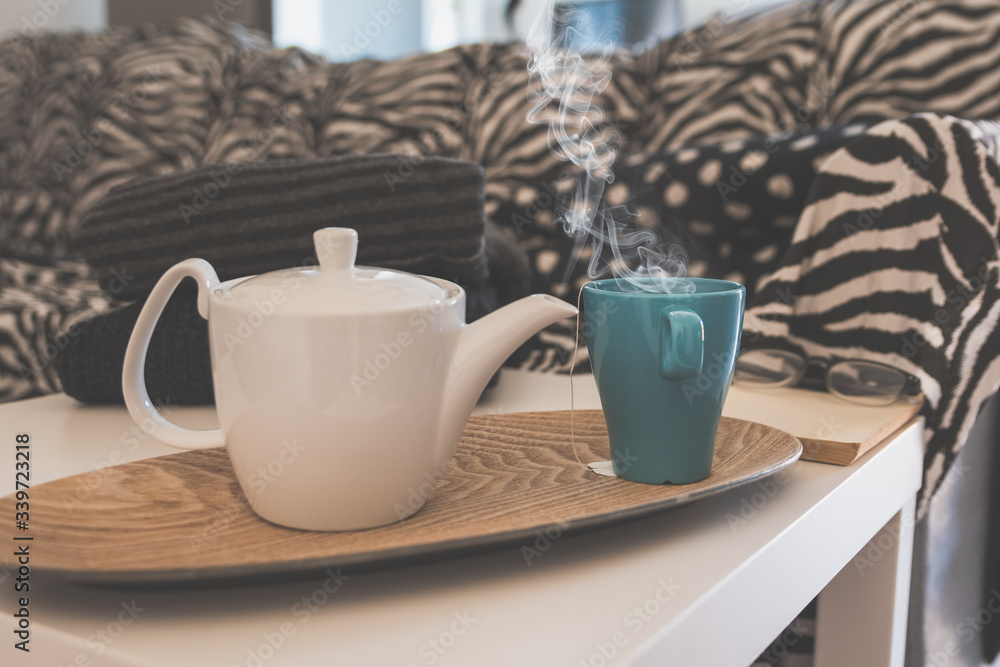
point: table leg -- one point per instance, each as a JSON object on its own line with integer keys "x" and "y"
{"x": 861, "y": 615}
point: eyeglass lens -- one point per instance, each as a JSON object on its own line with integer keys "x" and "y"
{"x": 865, "y": 382}
{"x": 769, "y": 367}
{"x": 858, "y": 381}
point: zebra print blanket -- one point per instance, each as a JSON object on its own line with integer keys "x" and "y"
{"x": 895, "y": 259}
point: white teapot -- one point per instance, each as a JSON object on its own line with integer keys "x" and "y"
{"x": 341, "y": 391}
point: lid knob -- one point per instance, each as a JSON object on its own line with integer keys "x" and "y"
{"x": 336, "y": 249}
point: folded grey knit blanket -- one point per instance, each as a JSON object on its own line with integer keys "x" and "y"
{"x": 252, "y": 217}
{"x": 248, "y": 218}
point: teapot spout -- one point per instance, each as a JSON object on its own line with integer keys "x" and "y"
{"x": 484, "y": 345}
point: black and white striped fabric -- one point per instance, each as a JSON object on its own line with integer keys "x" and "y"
{"x": 80, "y": 114}
{"x": 895, "y": 259}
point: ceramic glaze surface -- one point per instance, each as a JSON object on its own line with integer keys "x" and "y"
{"x": 663, "y": 365}
{"x": 339, "y": 394}
{"x": 350, "y": 425}
{"x": 336, "y": 286}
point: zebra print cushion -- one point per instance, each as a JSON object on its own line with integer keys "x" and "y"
{"x": 731, "y": 78}
{"x": 38, "y": 304}
{"x": 892, "y": 59}
{"x": 80, "y": 114}
{"x": 895, "y": 259}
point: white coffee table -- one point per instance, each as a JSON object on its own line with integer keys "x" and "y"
{"x": 711, "y": 583}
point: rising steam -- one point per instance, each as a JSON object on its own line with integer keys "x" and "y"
{"x": 563, "y": 86}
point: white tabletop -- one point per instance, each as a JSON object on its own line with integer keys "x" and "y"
{"x": 706, "y": 584}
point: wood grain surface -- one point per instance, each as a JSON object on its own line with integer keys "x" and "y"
{"x": 184, "y": 516}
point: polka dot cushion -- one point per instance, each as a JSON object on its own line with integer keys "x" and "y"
{"x": 728, "y": 208}
{"x": 731, "y": 206}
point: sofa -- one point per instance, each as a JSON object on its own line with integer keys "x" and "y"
{"x": 838, "y": 158}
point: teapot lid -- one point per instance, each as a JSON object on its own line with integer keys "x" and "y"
{"x": 337, "y": 286}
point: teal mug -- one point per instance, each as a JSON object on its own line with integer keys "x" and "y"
{"x": 663, "y": 364}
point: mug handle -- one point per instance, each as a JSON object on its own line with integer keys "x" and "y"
{"x": 133, "y": 375}
{"x": 682, "y": 343}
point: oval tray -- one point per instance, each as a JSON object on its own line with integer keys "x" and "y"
{"x": 183, "y": 517}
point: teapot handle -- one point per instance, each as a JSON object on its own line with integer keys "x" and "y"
{"x": 133, "y": 375}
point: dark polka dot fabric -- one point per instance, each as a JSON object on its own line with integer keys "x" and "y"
{"x": 727, "y": 209}
{"x": 731, "y": 206}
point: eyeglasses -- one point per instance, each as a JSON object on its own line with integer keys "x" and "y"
{"x": 855, "y": 380}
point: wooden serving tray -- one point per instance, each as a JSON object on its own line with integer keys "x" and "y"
{"x": 184, "y": 517}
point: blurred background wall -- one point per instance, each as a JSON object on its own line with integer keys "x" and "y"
{"x": 351, "y": 29}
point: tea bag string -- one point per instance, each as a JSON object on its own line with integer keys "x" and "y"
{"x": 572, "y": 367}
